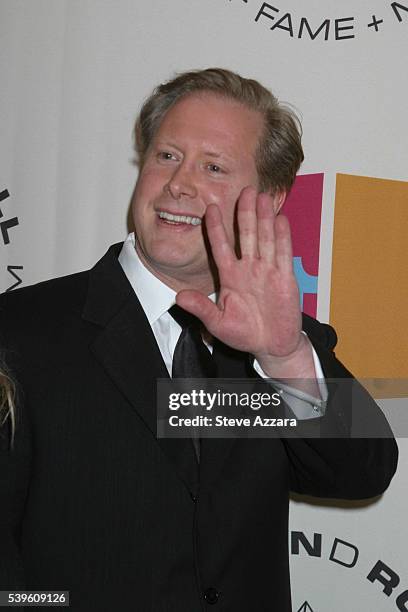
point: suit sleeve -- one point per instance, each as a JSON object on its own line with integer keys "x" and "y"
{"x": 14, "y": 475}
{"x": 350, "y": 452}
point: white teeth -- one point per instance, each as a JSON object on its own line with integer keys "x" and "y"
{"x": 179, "y": 218}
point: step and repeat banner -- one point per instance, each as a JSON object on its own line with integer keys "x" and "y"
{"x": 73, "y": 75}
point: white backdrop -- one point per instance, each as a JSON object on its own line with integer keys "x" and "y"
{"x": 73, "y": 75}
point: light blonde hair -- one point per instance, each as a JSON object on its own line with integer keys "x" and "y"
{"x": 279, "y": 153}
{"x": 7, "y": 406}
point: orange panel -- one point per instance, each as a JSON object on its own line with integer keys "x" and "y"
{"x": 369, "y": 286}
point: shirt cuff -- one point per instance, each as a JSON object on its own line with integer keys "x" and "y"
{"x": 303, "y": 405}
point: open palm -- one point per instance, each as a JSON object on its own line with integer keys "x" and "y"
{"x": 258, "y": 309}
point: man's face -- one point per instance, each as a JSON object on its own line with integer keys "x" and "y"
{"x": 202, "y": 153}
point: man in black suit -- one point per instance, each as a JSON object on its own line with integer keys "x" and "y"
{"x": 92, "y": 502}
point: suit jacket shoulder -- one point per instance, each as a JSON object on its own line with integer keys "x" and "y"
{"x": 53, "y": 302}
{"x": 321, "y": 333}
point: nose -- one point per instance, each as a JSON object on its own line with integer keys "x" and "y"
{"x": 182, "y": 183}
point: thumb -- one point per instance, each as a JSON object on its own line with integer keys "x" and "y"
{"x": 201, "y": 306}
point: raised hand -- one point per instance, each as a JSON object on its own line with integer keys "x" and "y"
{"x": 258, "y": 307}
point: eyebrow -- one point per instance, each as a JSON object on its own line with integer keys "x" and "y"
{"x": 212, "y": 154}
{"x": 216, "y": 154}
{"x": 223, "y": 156}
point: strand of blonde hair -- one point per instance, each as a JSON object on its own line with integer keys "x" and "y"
{"x": 7, "y": 407}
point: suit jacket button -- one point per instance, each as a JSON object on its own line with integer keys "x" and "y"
{"x": 211, "y": 595}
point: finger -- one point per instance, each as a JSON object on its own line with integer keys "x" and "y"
{"x": 201, "y": 306}
{"x": 221, "y": 249}
{"x": 266, "y": 227}
{"x": 283, "y": 244}
{"x": 247, "y": 223}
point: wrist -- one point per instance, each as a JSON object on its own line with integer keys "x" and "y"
{"x": 296, "y": 369}
{"x": 296, "y": 364}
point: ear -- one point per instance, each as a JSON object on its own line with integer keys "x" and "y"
{"x": 278, "y": 201}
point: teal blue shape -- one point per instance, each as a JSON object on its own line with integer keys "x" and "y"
{"x": 307, "y": 283}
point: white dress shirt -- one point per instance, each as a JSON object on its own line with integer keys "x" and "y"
{"x": 156, "y": 298}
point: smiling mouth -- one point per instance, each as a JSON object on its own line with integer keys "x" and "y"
{"x": 177, "y": 219}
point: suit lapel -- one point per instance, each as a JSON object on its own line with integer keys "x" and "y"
{"x": 127, "y": 350}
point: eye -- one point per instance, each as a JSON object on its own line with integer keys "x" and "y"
{"x": 166, "y": 156}
{"x": 214, "y": 168}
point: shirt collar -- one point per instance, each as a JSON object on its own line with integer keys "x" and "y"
{"x": 155, "y": 297}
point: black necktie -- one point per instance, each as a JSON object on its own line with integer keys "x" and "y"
{"x": 191, "y": 357}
